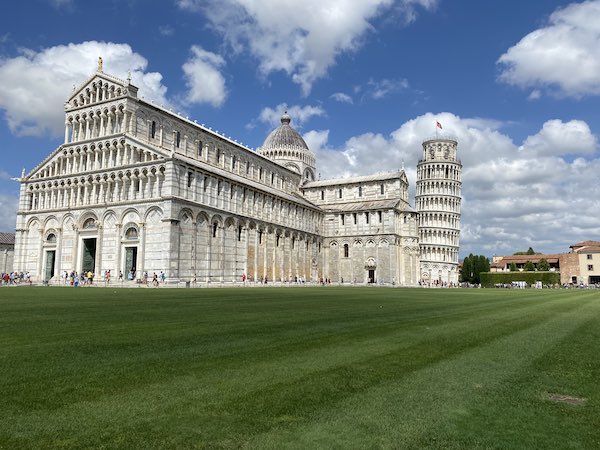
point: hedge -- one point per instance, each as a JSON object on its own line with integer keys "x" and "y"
{"x": 490, "y": 279}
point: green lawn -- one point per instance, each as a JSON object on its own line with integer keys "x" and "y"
{"x": 298, "y": 368}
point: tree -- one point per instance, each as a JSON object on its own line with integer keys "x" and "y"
{"x": 543, "y": 265}
{"x": 513, "y": 267}
{"x": 530, "y": 251}
{"x": 472, "y": 266}
{"x": 467, "y": 269}
{"x": 529, "y": 267}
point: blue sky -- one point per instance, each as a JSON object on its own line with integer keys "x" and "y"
{"x": 517, "y": 83}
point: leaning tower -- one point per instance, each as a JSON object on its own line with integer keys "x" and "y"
{"x": 437, "y": 201}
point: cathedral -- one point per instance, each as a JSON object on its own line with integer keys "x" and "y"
{"x": 136, "y": 189}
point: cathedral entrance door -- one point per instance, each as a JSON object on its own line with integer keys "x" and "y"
{"x": 88, "y": 263}
{"x": 371, "y": 275}
{"x": 49, "y": 269}
{"x": 130, "y": 262}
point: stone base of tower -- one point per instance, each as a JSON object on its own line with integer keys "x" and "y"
{"x": 435, "y": 273}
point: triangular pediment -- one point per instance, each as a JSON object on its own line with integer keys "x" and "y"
{"x": 49, "y": 166}
{"x": 100, "y": 87}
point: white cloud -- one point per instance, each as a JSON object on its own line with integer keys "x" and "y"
{"x": 204, "y": 80}
{"x": 301, "y": 38}
{"x": 299, "y": 114}
{"x": 513, "y": 197}
{"x": 341, "y": 97}
{"x": 35, "y": 85}
{"x": 166, "y": 30}
{"x": 61, "y": 3}
{"x": 378, "y": 89}
{"x": 560, "y": 138}
{"x": 563, "y": 57}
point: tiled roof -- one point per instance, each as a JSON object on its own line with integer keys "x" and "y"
{"x": 585, "y": 244}
{"x": 362, "y": 206}
{"x": 587, "y": 248}
{"x": 7, "y": 238}
{"x": 524, "y": 258}
{"x": 350, "y": 180}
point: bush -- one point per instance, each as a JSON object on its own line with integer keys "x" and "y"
{"x": 490, "y": 279}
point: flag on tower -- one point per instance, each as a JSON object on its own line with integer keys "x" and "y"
{"x": 437, "y": 124}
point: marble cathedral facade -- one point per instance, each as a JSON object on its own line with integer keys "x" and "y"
{"x": 135, "y": 188}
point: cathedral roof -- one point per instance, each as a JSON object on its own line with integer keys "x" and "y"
{"x": 368, "y": 205}
{"x": 284, "y": 136}
{"x": 7, "y": 238}
{"x": 357, "y": 179}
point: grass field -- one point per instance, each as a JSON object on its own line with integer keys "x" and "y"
{"x": 299, "y": 368}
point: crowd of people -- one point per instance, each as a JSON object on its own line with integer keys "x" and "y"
{"x": 14, "y": 278}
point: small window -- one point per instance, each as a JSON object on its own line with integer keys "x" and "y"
{"x": 89, "y": 223}
{"x": 589, "y": 256}
{"x": 590, "y": 267}
{"x": 205, "y": 183}
{"x": 247, "y": 167}
{"x": 200, "y": 149}
{"x": 260, "y": 173}
{"x": 346, "y": 251}
{"x": 340, "y": 193}
{"x": 260, "y": 237}
{"x": 382, "y": 189}
{"x": 131, "y": 233}
{"x": 153, "y": 130}
{"x": 380, "y": 216}
{"x": 277, "y": 241}
{"x": 219, "y": 187}
{"x": 239, "y": 233}
{"x": 322, "y": 195}
{"x": 190, "y": 177}
{"x": 367, "y": 217}
{"x": 214, "y": 230}
{"x": 354, "y": 216}
{"x": 343, "y": 218}
{"x": 233, "y": 161}
{"x": 218, "y": 155}
{"x": 360, "y": 191}
{"x": 177, "y": 139}
{"x": 51, "y": 238}
{"x": 272, "y": 178}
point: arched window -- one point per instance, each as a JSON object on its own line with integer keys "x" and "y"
{"x": 200, "y": 149}
{"x": 89, "y": 223}
{"x": 177, "y": 139}
{"x": 346, "y": 251}
{"x": 360, "y": 191}
{"x": 131, "y": 233}
{"x": 322, "y": 195}
{"x": 214, "y": 230}
{"x": 51, "y": 238}
{"x": 153, "y": 130}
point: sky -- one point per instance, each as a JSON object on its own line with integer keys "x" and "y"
{"x": 365, "y": 81}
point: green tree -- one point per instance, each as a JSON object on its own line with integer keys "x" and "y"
{"x": 467, "y": 269}
{"x": 513, "y": 267}
{"x": 472, "y": 266}
{"x": 529, "y": 267}
{"x": 530, "y": 251}
{"x": 543, "y": 265}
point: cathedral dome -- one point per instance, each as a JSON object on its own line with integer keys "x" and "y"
{"x": 284, "y": 137}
